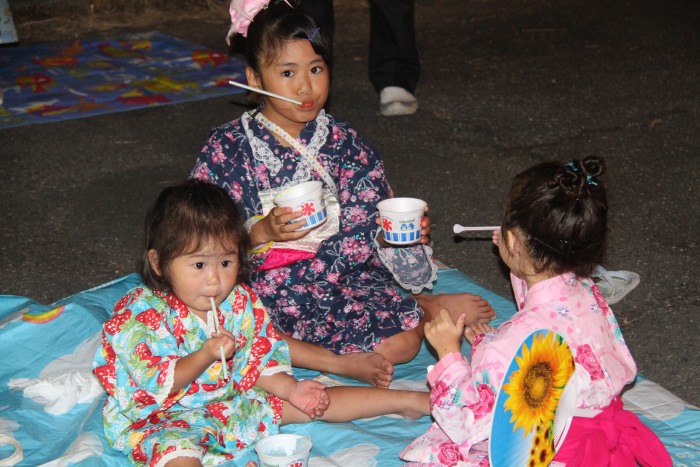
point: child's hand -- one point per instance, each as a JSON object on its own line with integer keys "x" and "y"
{"x": 444, "y": 335}
{"x": 310, "y": 397}
{"x": 470, "y": 332}
{"x": 225, "y": 338}
{"x": 425, "y": 228}
{"x": 274, "y": 227}
{"x": 495, "y": 235}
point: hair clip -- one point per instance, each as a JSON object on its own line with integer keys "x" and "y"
{"x": 565, "y": 251}
{"x": 590, "y": 181}
{"x": 313, "y": 34}
{"x": 573, "y": 166}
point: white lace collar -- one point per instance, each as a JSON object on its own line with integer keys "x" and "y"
{"x": 262, "y": 151}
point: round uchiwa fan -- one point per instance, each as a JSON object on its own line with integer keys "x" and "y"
{"x": 523, "y": 429}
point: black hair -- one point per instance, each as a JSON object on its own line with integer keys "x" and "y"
{"x": 561, "y": 211}
{"x": 182, "y": 219}
{"x": 278, "y": 24}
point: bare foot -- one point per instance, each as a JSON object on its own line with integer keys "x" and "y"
{"x": 470, "y": 332}
{"x": 475, "y": 308}
{"x": 418, "y": 404}
{"x": 251, "y": 464}
{"x": 369, "y": 367}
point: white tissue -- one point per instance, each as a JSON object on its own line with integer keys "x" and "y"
{"x": 66, "y": 381}
{"x": 86, "y": 445}
{"x": 360, "y": 455}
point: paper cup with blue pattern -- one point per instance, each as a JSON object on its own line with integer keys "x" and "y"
{"x": 401, "y": 219}
{"x": 306, "y": 197}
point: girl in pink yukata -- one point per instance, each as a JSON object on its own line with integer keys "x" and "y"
{"x": 331, "y": 290}
{"x": 552, "y": 236}
{"x": 170, "y": 399}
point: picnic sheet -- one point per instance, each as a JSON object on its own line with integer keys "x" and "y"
{"x": 48, "y": 82}
{"x": 55, "y": 343}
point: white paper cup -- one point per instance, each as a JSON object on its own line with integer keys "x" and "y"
{"x": 401, "y": 218}
{"x": 283, "y": 450}
{"x": 306, "y": 197}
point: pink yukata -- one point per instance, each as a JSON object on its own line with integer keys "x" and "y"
{"x": 463, "y": 394}
{"x": 212, "y": 419}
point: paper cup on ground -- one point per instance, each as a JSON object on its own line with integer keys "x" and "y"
{"x": 284, "y": 450}
{"x": 401, "y": 218}
{"x": 306, "y": 197}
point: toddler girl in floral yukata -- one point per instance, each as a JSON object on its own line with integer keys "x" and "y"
{"x": 552, "y": 236}
{"x": 331, "y": 290}
{"x": 171, "y": 401}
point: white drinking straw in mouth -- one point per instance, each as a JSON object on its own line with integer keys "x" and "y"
{"x": 216, "y": 327}
{"x": 461, "y": 228}
{"x": 262, "y": 91}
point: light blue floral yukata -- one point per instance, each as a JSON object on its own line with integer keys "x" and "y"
{"x": 341, "y": 293}
{"x": 212, "y": 419}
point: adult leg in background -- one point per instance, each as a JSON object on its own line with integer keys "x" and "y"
{"x": 394, "y": 62}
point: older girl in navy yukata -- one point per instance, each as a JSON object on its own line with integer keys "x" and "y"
{"x": 332, "y": 290}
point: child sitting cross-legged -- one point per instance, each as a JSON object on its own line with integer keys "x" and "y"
{"x": 332, "y": 290}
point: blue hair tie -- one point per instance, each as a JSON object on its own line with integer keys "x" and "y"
{"x": 573, "y": 166}
{"x": 589, "y": 179}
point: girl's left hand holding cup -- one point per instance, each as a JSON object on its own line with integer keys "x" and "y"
{"x": 425, "y": 228}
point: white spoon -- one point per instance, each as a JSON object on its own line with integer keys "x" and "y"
{"x": 461, "y": 228}
{"x": 262, "y": 91}
{"x": 216, "y": 328}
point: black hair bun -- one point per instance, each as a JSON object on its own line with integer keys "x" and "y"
{"x": 593, "y": 166}
{"x": 568, "y": 179}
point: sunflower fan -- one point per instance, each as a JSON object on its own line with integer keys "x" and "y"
{"x": 523, "y": 430}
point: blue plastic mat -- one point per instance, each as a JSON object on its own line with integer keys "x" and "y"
{"x": 50, "y": 82}
{"x": 34, "y": 335}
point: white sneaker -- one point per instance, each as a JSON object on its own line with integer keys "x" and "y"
{"x": 614, "y": 285}
{"x": 394, "y": 101}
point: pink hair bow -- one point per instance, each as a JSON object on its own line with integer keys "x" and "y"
{"x": 242, "y": 14}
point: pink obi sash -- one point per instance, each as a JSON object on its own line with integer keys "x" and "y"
{"x": 615, "y": 437}
{"x": 278, "y": 257}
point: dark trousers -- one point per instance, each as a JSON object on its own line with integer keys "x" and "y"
{"x": 393, "y": 55}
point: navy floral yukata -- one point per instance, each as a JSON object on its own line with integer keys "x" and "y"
{"x": 343, "y": 295}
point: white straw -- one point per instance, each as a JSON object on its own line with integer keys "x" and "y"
{"x": 460, "y": 228}
{"x": 216, "y": 327}
{"x": 262, "y": 91}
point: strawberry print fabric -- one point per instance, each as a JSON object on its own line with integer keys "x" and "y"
{"x": 345, "y": 296}
{"x": 212, "y": 419}
{"x": 463, "y": 394}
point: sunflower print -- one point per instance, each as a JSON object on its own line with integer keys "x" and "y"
{"x": 535, "y": 387}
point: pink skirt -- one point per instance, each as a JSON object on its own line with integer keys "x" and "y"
{"x": 615, "y": 437}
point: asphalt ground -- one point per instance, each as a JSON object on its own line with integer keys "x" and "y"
{"x": 506, "y": 84}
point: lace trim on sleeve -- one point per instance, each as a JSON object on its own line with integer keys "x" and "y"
{"x": 268, "y": 371}
{"x": 168, "y": 384}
